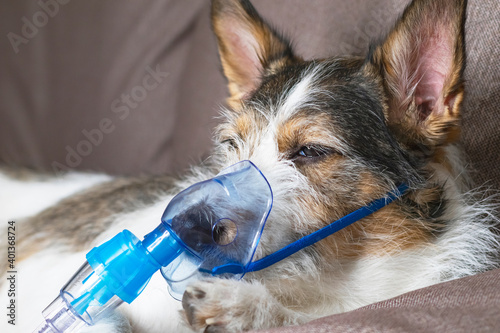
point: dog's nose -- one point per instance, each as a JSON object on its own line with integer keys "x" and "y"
{"x": 194, "y": 226}
{"x": 200, "y": 228}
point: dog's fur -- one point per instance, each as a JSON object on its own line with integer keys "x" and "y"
{"x": 330, "y": 135}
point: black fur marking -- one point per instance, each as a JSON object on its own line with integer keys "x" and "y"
{"x": 431, "y": 211}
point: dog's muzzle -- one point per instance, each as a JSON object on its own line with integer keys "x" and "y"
{"x": 220, "y": 222}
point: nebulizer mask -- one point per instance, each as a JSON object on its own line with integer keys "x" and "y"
{"x": 211, "y": 228}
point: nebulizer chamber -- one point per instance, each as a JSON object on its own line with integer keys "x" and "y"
{"x": 211, "y": 228}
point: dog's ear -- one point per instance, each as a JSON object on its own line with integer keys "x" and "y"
{"x": 247, "y": 46}
{"x": 422, "y": 62}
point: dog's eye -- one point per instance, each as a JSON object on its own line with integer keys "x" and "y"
{"x": 230, "y": 142}
{"x": 310, "y": 152}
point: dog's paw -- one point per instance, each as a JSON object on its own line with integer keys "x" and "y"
{"x": 217, "y": 305}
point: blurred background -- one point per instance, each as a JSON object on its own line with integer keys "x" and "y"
{"x": 129, "y": 87}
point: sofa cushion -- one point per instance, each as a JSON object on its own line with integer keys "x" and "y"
{"x": 471, "y": 304}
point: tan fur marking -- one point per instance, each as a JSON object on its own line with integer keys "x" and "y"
{"x": 303, "y": 129}
{"x": 388, "y": 231}
{"x": 244, "y": 124}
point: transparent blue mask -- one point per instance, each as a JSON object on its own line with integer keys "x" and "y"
{"x": 220, "y": 222}
{"x": 210, "y": 225}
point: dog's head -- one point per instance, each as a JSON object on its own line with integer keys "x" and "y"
{"x": 333, "y": 134}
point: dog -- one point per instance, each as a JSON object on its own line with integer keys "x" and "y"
{"x": 330, "y": 135}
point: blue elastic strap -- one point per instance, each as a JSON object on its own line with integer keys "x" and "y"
{"x": 326, "y": 231}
